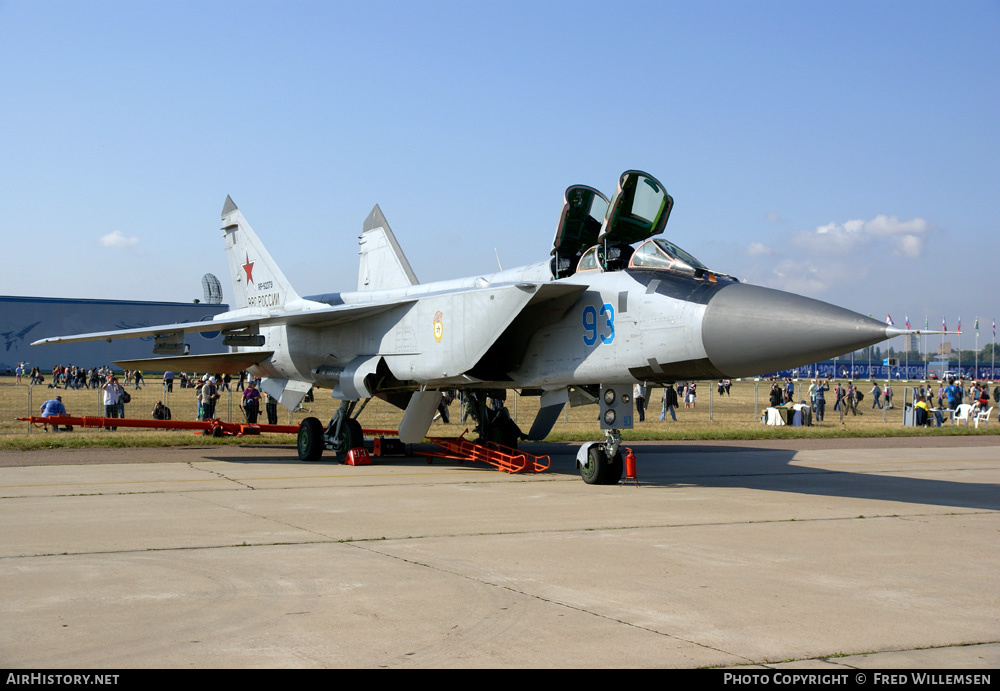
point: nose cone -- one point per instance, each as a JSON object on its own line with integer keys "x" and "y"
{"x": 750, "y": 330}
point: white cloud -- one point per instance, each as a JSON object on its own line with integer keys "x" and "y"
{"x": 117, "y": 240}
{"x": 906, "y": 238}
{"x": 758, "y": 249}
{"x": 808, "y": 277}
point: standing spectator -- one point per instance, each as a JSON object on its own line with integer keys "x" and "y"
{"x": 639, "y": 394}
{"x": 819, "y": 399}
{"x": 444, "y": 413}
{"x": 197, "y": 396}
{"x": 876, "y": 393}
{"x": 776, "y": 397}
{"x": 251, "y": 403}
{"x": 669, "y": 403}
{"x": 953, "y": 393}
{"x": 209, "y": 395}
{"x": 850, "y": 400}
{"x": 123, "y": 398}
{"x": 887, "y": 396}
{"x": 271, "y": 405}
{"x": 168, "y": 382}
{"x": 111, "y": 400}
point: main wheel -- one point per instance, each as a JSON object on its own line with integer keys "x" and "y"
{"x": 614, "y": 470}
{"x": 310, "y": 440}
{"x": 350, "y": 437}
{"x": 594, "y": 469}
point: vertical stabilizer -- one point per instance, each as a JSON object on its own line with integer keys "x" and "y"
{"x": 383, "y": 264}
{"x": 257, "y": 280}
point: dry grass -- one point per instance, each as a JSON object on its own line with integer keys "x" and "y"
{"x": 714, "y": 417}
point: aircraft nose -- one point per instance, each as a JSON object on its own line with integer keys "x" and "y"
{"x": 749, "y": 330}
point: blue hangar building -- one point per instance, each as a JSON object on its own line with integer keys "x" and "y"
{"x": 27, "y": 319}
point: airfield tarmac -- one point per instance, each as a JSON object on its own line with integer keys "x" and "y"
{"x": 834, "y": 554}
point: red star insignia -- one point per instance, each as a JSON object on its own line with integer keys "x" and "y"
{"x": 248, "y": 267}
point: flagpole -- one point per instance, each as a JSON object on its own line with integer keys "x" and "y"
{"x": 923, "y": 353}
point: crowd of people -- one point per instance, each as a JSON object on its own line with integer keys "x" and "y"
{"x": 673, "y": 395}
{"x": 207, "y": 389}
{"x": 64, "y": 376}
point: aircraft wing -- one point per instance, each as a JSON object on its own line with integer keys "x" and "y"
{"x": 220, "y": 363}
{"x": 322, "y": 316}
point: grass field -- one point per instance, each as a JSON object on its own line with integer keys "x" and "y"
{"x": 714, "y": 417}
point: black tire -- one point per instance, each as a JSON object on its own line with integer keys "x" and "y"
{"x": 310, "y": 440}
{"x": 594, "y": 470}
{"x": 350, "y": 437}
{"x": 613, "y": 471}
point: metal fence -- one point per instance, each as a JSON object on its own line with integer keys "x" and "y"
{"x": 744, "y": 404}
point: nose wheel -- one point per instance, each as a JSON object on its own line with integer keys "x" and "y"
{"x": 597, "y": 467}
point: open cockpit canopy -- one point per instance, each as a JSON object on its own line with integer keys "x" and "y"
{"x": 638, "y": 211}
{"x": 583, "y": 212}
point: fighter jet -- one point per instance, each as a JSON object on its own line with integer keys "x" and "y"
{"x": 615, "y": 304}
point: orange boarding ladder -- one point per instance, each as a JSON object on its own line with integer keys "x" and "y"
{"x": 501, "y": 457}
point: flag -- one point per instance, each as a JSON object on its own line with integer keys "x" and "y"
{"x": 977, "y": 327}
{"x": 994, "y": 328}
{"x": 926, "y": 324}
{"x": 959, "y": 325}
{"x": 907, "y": 322}
{"x": 944, "y": 324}
{"x": 888, "y": 320}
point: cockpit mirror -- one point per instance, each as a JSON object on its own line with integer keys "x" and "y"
{"x": 639, "y": 210}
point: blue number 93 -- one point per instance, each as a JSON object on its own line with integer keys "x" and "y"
{"x": 592, "y": 330}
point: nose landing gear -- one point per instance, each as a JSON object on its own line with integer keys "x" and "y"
{"x": 601, "y": 463}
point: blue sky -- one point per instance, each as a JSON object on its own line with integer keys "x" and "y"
{"x": 849, "y": 151}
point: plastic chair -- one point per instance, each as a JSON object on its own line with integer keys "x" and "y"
{"x": 983, "y": 416}
{"x": 962, "y": 413}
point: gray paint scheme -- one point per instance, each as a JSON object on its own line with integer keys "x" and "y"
{"x": 513, "y": 329}
{"x": 746, "y": 330}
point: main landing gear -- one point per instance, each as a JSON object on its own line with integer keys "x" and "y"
{"x": 340, "y": 436}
